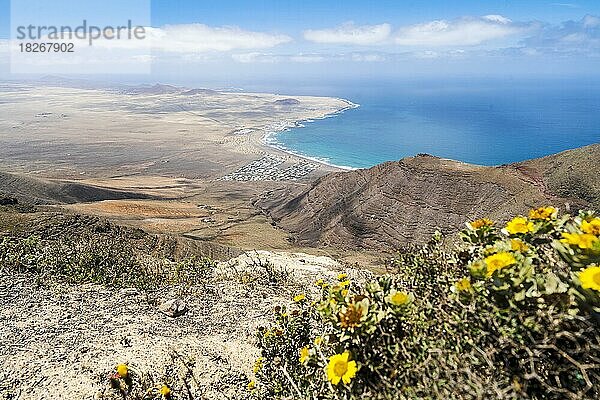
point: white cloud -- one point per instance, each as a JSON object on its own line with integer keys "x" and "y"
{"x": 197, "y": 38}
{"x": 569, "y": 38}
{"x": 177, "y": 43}
{"x": 187, "y": 38}
{"x": 591, "y": 21}
{"x": 202, "y": 38}
{"x": 256, "y": 57}
{"x": 307, "y": 58}
{"x": 248, "y": 58}
{"x": 350, "y": 34}
{"x": 367, "y": 57}
{"x": 427, "y": 54}
{"x": 568, "y": 5}
{"x": 467, "y": 31}
{"x": 265, "y": 58}
{"x": 497, "y": 18}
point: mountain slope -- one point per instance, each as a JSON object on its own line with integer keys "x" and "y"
{"x": 43, "y": 191}
{"x": 400, "y": 202}
{"x": 570, "y": 174}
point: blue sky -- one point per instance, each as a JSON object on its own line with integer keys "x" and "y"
{"x": 296, "y": 15}
{"x": 231, "y": 40}
{"x": 288, "y": 14}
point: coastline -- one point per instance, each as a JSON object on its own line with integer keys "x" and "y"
{"x": 268, "y": 137}
{"x": 203, "y": 135}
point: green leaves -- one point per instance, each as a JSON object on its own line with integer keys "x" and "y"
{"x": 527, "y": 329}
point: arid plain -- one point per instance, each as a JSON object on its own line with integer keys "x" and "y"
{"x": 198, "y": 156}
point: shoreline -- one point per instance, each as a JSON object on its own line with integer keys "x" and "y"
{"x": 272, "y": 132}
{"x": 203, "y": 135}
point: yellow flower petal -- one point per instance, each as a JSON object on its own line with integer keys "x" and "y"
{"x": 581, "y": 240}
{"x": 122, "y": 370}
{"x": 165, "y": 391}
{"x": 519, "y": 225}
{"x": 543, "y": 213}
{"x": 463, "y": 285}
{"x": 498, "y": 261}
{"x": 340, "y": 369}
{"x": 590, "y": 278}
{"x": 299, "y": 298}
{"x": 480, "y": 223}
{"x": 258, "y": 364}
{"x": 518, "y": 245}
{"x": 591, "y": 227}
{"x": 304, "y": 354}
{"x": 397, "y": 298}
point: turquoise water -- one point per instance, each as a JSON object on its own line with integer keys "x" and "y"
{"x": 487, "y": 123}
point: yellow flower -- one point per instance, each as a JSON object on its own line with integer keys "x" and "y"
{"x": 582, "y": 240}
{"x": 519, "y": 225}
{"x": 543, "y": 213}
{"x": 480, "y": 223}
{"x": 258, "y": 364}
{"x": 318, "y": 340}
{"x": 299, "y": 298}
{"x": 590, "y": 278}
{"x": 303, "y": 354}
{"x": 122, "y": 370}
{"x": 340, "y": 369}
{"x": 398, "y": 298}
{"x": 319, "y": 283}
{"x": 498, "y": 261}
{"x": 350, "y": 317}
{"x": 345, "y": 283}
{"x": 592, "y": 227}
{"x": 251, "y": 385}
{"x": 165, "y": 391}
{"x": 478, "y": 267}
{"x": 341, "y": 277}
{"x": 463, "y": 285}
{"x": 344, "y": 292}
{"x": 518, "y": 245}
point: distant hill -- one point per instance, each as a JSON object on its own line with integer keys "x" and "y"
{"x": 396, "y": 203}
{"x": 154, "y": 89}
{"x": 166, "y": 89}
{"x": 287, "y": 102}
{"x": 194, "y": 92}
{"x": 40, "y": 191}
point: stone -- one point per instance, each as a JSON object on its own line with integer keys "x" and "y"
{"x": 129, "y": 292}
{"x": 173, "y": 308}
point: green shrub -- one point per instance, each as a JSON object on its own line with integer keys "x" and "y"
{"x": 512, "y": 314}
{"x": 97, "y": 258}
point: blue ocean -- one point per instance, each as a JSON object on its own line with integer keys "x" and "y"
{"x": 482, "y": 122}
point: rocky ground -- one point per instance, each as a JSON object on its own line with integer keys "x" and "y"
{"x": 61, "y": 341}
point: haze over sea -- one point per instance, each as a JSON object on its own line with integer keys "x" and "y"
{"x": 476, "y": 121}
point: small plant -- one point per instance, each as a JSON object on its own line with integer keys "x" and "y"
{"x": 124, "y": 383}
